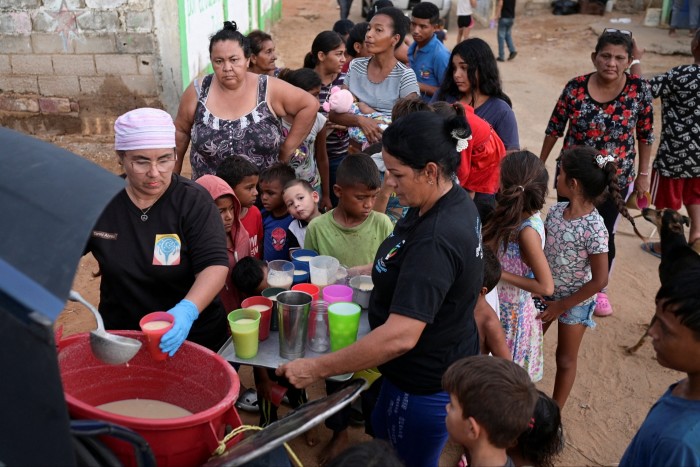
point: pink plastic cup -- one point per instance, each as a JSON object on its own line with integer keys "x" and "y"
{"x": 337, "y": 293}
{"x": 264, "y": 306}
{"x": 154, "y": 326}
{"x": 277, "y": 393}
{"x": 310, "y": 289}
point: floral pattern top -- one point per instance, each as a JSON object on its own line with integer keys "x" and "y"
{"x": 679, "y": 149}
{"x": 608, "y": 127}
{"x": 568, "y": 246}
{"x": 256, "y": 136}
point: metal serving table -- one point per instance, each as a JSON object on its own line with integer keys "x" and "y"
{"x": 268, "y": 355}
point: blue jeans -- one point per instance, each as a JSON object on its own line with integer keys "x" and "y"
{"x": 505, "y": 26}
{"x": 413, "y": 424}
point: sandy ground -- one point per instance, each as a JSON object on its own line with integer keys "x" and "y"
{"x": 613, "y": 391}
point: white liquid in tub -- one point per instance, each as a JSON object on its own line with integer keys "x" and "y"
{"x": 145, "y": 408}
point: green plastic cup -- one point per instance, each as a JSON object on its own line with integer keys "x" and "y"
{"x": 245, "y": 325}
{"x": 343, "y": 321}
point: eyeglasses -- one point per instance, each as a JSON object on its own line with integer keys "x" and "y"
{"x": 163, "y": 165}
{"x": 617, "y": 31}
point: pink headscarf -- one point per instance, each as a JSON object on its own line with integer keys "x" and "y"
{"x": 144, "y": 128}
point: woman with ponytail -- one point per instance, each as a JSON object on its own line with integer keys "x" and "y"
{"x": 577, "y": 252}
{"x": 434, "y": 258}
{"x": 516, "y": 232}
{"x": 236, "y": 112}
{"x": 326, "y": 58}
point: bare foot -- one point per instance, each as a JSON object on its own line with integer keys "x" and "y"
{"x": 335, "y": 446}
{"x": 311, "y": 437}
{"x": 691, "y": 33}
{"x": 672, "y": 32}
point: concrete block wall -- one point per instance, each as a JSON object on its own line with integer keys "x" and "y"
{"x": 65, "y": 64}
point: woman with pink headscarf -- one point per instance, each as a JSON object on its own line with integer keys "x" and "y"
{"x": 160, "y": 242}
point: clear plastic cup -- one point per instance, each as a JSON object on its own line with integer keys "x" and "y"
{"x": 324, "y": 270}
{"x": 280, "y": 273}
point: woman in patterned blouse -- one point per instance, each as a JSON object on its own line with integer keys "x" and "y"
{"x": 605, "y": 110}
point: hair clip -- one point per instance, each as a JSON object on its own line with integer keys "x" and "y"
{"x": 601, "y": 160}
{"x": 521, "y": 188}
{"x": 462, "y": 141}
{"x": 231, "y": 25}
{"x": 531, "y": 425}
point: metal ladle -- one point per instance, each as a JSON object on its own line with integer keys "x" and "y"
{"x": 110, "y": 348}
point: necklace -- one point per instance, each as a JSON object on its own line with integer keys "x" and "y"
{"x": 144, "y": 213}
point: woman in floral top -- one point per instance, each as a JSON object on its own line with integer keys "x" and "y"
{"x": 604, "y": 110}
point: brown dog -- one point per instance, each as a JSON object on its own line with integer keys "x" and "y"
{"x": 676, "y": 254}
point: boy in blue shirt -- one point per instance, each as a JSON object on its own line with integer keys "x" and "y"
{"x": 428, "y": 56}
{"x": 670, "y": 435}
{"x": 275, "y": 217}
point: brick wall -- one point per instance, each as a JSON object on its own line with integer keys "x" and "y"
{"x": 66, "y": 65}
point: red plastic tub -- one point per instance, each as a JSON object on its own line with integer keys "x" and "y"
{"x": 195, "y": 379}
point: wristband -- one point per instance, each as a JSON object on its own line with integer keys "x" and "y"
{"x": 644, "y": 173}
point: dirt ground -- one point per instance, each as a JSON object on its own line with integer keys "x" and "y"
{"x": 613, "y": 391}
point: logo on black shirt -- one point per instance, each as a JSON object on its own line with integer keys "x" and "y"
{"x": 104, "y": 235}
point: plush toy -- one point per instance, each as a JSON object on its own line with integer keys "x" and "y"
{"x": 339, "y": 100}
{"x": 342, "y": 101}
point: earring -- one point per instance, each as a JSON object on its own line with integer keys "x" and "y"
{"x": 430, "y": 182}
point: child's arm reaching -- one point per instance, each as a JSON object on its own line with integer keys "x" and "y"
{"x": 599, "y": 279}
{"x": 531, "y": 253}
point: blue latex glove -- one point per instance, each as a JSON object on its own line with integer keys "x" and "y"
{"x": 185, "y": 313}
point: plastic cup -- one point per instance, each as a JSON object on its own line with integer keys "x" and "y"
{"x": 310, "y": 289}
{"x": 264, "y": 305}
{"x": 323, "y": 270}
{"x": 300, "y": 265}
{"x": 277, "y": 393}
{"x": 280, "y": 273}
{"x": 245, "y": 326}
{"x": 154, "y": 326}
{"x": 303, "y": 255}
{"x": 271, "y": 293}
{"x": 343, "y": 323}
{"x": 337, "y": 293}
{"x": 301, "y": 276}
{"x": 361, "y": 290}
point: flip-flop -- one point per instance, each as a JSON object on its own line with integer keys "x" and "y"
{"x": 649, "y": 248}
{"x": 248, "y": 401}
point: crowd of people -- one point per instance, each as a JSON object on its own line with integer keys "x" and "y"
{"x": 438, "y": 203}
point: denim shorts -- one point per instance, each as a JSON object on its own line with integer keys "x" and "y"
{"x": 580, "y": 314}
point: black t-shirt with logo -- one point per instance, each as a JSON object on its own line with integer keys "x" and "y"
{"x": 430, "y": 269}
{"x": 150, "y": 265}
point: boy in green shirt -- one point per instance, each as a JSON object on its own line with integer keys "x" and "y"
{"x": 353, "y": 231}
